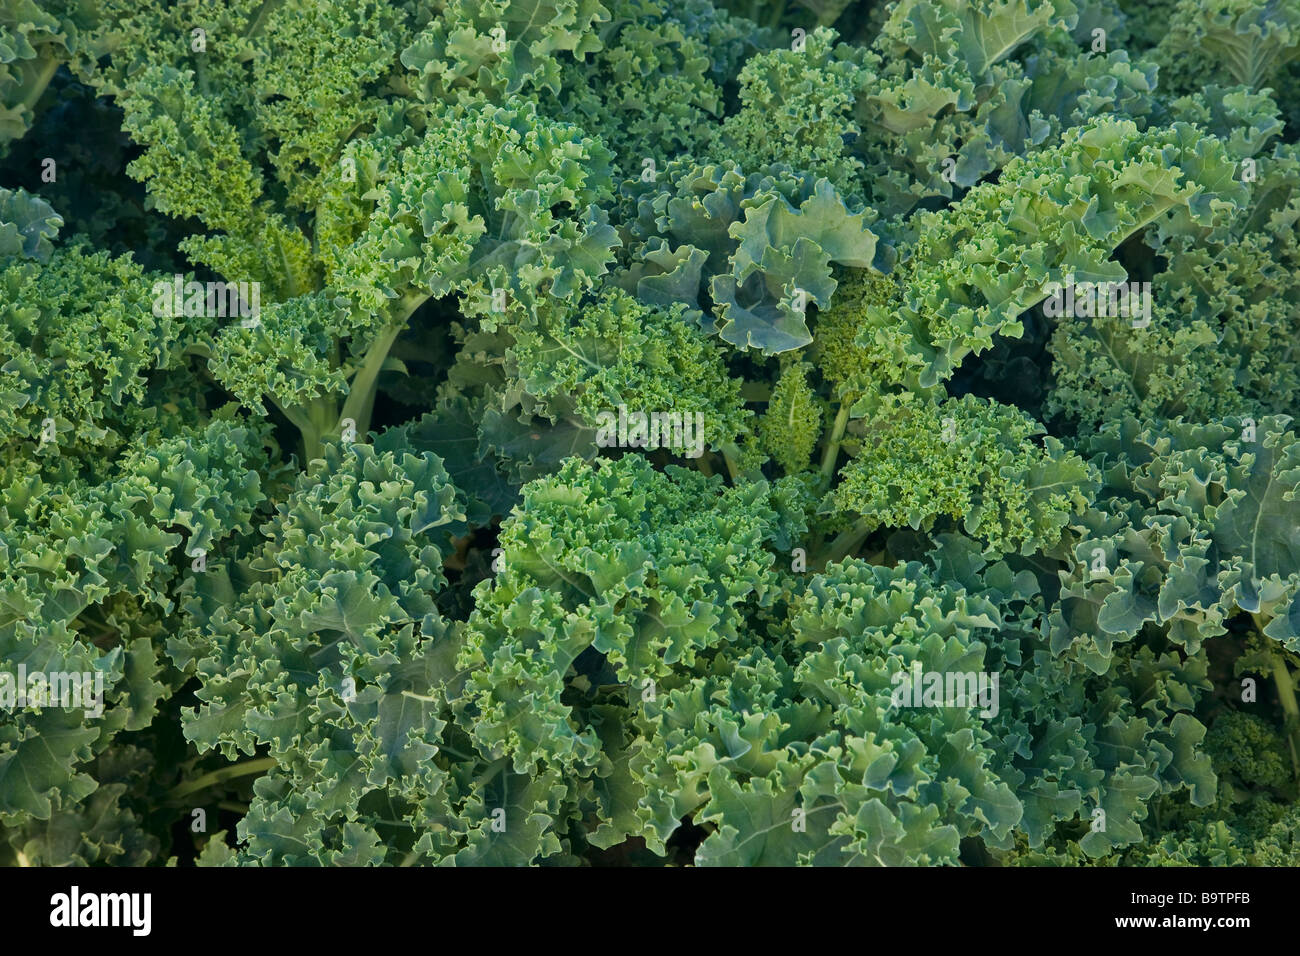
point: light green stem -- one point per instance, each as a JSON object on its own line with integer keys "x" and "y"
{"x": 833, "y": 442}
{"x": 39, "y": 81}
{"x": 845, "y": 543}
{"x": 732, "y": 470}
{"x": 492, "y": 769}
{"x": 311, "y": 421}
{"x": 361, "y": 396}
{"x": 1286, "y": 696}
{"x": 223, "y": 775}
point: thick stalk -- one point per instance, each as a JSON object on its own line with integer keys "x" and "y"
{"x": 845, "y": 543}
{"x": 311, "y": 421}
{"x": 832, "y": 451}
{"x": 324, "y": 414}
{"x": 1286, "y": 695}
{"x": 732, "y": 470}
{"x": 39, "y": 81}
{"x": 361, "y": 396}
{"x": 489, "y": 772}
{"x": 234, "y": 771}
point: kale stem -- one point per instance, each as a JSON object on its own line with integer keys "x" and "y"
{"x": 36, "y": 86}
{"x": 322, "y": 414}
{"x": 304, "y": 421}
{"x": 845, "y": 543}
{"x": 232, "y": 772}
{"x": 1285, "y": 685}
{"x": 361, "y": 396}
{"x": 460, "y": 755}
{"x": 491, "y": 771}
{"x": 731, "y": 467}
{"x": 1286, "y": 695}
{"x": 833, "y": 441}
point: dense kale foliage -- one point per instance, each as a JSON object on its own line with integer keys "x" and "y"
{"x": 637, "y": 395}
